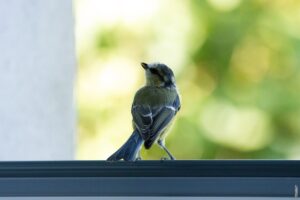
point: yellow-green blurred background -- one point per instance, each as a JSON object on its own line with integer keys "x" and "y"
{"x": 237, "y": 65}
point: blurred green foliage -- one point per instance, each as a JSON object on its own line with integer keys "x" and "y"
{"x": 236, "y": 63}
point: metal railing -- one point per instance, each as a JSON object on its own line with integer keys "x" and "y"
{"x": 206, "y": 178}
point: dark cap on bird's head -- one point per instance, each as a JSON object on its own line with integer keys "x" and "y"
{"x": 158, "y": 74}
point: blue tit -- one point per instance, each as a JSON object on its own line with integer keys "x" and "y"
{"x": 153, "y": 110}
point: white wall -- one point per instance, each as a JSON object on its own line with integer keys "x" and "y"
{"x": 37, "y": 68}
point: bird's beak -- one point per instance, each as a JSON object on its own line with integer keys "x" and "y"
{"x": 145, "y": 65}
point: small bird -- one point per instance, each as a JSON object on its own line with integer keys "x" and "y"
{"x": 153, "y": 110}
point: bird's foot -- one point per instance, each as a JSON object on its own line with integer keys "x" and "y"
{"x": 168, "y": 158}
{"x": 172, "y": 157}
{"x": 138, "y": 158}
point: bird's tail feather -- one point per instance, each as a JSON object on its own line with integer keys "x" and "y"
{"x": 129, "y": 150}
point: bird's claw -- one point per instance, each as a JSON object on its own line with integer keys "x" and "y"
{"x": 164, "y": 158}
{"x": 138, "y": 158}
{"x": 172, "y": 158}
{"x": 168, "y": 158}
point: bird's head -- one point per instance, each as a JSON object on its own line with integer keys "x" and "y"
{"x": 158, "y": 74}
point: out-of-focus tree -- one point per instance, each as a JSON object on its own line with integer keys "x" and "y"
{"x": 237, "y": 67}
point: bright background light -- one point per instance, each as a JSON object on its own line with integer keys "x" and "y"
{"x": 236, "y": 64}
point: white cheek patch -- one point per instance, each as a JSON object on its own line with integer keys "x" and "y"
{"x": 173, "y": 79}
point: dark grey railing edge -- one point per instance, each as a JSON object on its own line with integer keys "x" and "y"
{"x": 228, "y": 178}
{"x": 150, "y": 186}
{"x": 180, "y": 168}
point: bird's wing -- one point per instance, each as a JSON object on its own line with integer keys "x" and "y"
{"x": 151, "y": 121}
{"x": 177, "y": 103}
{"x": 142, "y": 119}
{"x": 160, "y": 123}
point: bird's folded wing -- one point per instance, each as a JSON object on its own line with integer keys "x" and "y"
{"x": 177, "y": 104}
{"x": 160, "y": 122}
{"x": 151, "y": 121}
{"x": 143, "y": 119}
